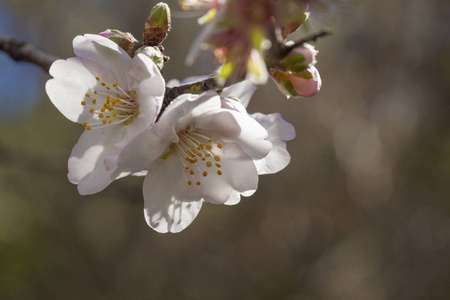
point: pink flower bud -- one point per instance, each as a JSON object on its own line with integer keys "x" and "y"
{"x": 300, "y": 58}
{"x": 302, "y": 84}
{"x": 125, "y": 40}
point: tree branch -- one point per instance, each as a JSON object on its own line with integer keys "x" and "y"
{"x": 23, "y": 51}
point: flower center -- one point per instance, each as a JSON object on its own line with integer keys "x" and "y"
{"x": 196, "y": 154}
{"x": 110, "y": 105}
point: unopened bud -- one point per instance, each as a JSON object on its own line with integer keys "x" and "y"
{"x": 300, "y": 58}
{"x": 158, "y": 25}
{"x": 125, "y": 40}
{"x": 154, "y": 53}
{"x": 302, "y": 84}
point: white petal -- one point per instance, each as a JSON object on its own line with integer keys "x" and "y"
{"x": 183, "y": 111}
{"x": 275, "y": 161}
{"x": 150, "y": 98}
{"x": 143, "y": 67}
{"x": 86, "y": 162}
{"x": 106, "y": 53}
{"x": 279, "y": 131}
{"x": 139, "y": 154}
{"x": 238, "y": 174}
{"x": 68, "y": 88}
{"x": 234, "y": 199}
{"x": 170, "y": 203}
{"x": 276, "y": 126}
{"x": 243, "y": 91}
{"x": 233, "y": 126}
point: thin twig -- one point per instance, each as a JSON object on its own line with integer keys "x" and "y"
{"x": 311, "y": 38}
{"x": 23, "y": 51}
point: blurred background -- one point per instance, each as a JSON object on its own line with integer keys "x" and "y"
{"x": 362, "y": 211}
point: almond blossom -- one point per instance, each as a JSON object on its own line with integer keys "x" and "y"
{"x": 197, "y": 152}
{"x": 204, "y": 148}
{"x": 115, "y": 97}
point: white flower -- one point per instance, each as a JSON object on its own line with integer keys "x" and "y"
{"x": 237, "y": 97}
{"x": 197, "y": 151}
{"x": 114, "y": 96}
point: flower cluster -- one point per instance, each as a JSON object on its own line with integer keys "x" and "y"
{"x": 203, "y": 148}
{"x": 194, "y": 143}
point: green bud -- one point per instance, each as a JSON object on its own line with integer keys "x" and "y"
{"x": 158, "y": 25}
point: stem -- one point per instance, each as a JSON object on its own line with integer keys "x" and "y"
{"x": 23, "y": 51}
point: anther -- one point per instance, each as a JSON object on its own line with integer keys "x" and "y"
{"x": 84, "y": 123}
{"x": 218, "y": 165}
{"x": 98, "y": 78}
{"x": 88, "y": 127}
{"x": 190, "y": 182}
{"x": 209, "y": 164}
{"x": 83, "y": 102}
{"x": 216, "y": 158}
{"x": 91, "y": 110}
{"x": 219, "y": 145}
{"x": 219, "y": 172}
{"x": 87, "y": 95}
{"x": 94, "y": 101}
{"x": 205, "y": 173}
{"x": 198, "y": 183}
{"x": 115, "y": 84}
{"x": 208, "y": 147}
{"x": 103, "y": 84}
{"x": 191, "y": 172}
